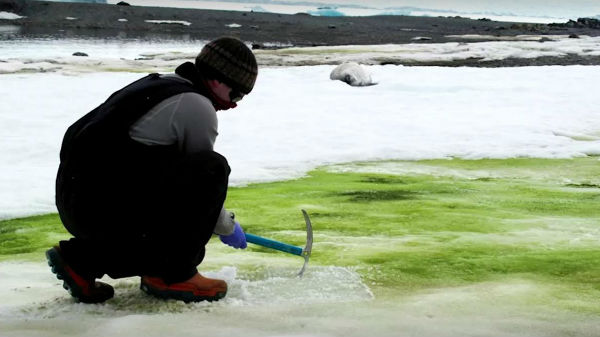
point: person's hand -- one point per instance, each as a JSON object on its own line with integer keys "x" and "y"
{"x": 237, "y": 239}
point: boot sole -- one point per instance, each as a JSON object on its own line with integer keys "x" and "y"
{"x": 184, "y": 296}
{"x": 57, "y": 265}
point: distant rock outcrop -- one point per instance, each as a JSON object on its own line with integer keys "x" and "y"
{"x": 88, "y": 1}
{"x": 12, "y": 5}
{"x": 580, "y": 23}
{"x": 351, "y": 73}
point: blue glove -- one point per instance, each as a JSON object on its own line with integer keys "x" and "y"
{"x": 237, "y": 239}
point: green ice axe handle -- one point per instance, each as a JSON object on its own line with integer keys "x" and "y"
{"x": 284, "y": 247}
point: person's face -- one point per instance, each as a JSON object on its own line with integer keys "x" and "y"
{"x": 224, "y": 92}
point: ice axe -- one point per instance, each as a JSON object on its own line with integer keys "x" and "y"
{"x": 284, "y": 247}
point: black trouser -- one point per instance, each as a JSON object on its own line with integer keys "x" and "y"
{"x": 159, "y": 228}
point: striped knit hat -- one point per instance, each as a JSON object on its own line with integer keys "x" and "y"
{"x": 231, "y": 61}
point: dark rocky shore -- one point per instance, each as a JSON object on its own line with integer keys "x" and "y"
{"x": 43, "y": 18}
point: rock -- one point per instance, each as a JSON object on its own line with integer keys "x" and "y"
{"x": 545, "y": 39}
{"x": 421, "y": 38}
{"x": 573, "y": 36}
{"x": 589, "y": 22}
{"x": 331, "y": 27}
{"x": 530, "y": 27}
{"x": 12, "y": 6}
{"x": 262, "y": 46}
{"x": 352, "y": 73}
{"x": 580, "y": 23}
{"x": 79, "y": 54}
{"x": 122, "y": 3}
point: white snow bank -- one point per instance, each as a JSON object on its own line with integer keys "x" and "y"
{"x": 51, "y": 55}
{"x": 526, "y": 46}
{"x": 10, "y": 16}
{"x": 175, "y": 22}
{"x": 352, "y": 73}
{"x": 100, "y": 50}
{"x": 297, "y": 119}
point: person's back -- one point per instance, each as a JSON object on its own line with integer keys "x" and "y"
{"x": 98, "y": 158}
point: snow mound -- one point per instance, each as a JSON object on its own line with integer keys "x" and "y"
{"x": 10, "y": 16}
{"x": 351, "y": 73}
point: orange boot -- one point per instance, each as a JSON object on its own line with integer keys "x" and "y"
{"x": 83, "y": 289}
{"x": 196, "y": 289}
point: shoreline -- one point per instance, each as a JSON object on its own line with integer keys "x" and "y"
{"x": 301, "y": 29}
{"x": 43, "y": 19}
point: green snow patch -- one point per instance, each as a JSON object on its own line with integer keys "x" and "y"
{"x": 409, "y": 226}
{"x": 526, "y": 230}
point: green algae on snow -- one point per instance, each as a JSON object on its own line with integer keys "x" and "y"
{"x": 410, "y": 226}
{"x": 29, "y": 237}
{"x": 497, "y": 218}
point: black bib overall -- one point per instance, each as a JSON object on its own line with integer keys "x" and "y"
{"x": 136, "y": 209}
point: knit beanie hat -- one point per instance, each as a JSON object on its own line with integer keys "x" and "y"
{"x": 231, "y": 61}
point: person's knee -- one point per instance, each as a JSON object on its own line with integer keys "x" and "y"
{"x": 210, "y": 162}
{"x": 206, "y": 168}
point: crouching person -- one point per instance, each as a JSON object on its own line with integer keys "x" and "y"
{"x": 139, "y": 186}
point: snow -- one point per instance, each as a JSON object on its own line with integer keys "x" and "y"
{"x": 175, "y": 22}
{"x": 351, "y": 73}
{"x": 160, "y": 55}
{"x": 510, "y": 47}
{"x": 328, "y": 302}
{"x": 41, "y": 307}
{"x": 9, "y": 16}
{"x": 413, "y": 113}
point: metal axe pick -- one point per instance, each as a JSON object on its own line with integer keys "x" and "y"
{"x": 284, "y": 247}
